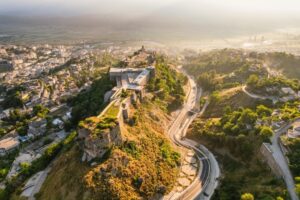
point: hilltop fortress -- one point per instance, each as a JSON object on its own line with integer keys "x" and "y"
{"x": 100, "y": 133}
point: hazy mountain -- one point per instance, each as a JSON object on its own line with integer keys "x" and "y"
{"x": 172, "y": 21}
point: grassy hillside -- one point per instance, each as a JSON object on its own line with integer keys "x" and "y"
{"x": 235, "y": 139}
{"x": 229, "y": 60}
{"x": 288, "y": 64}
{"x": 167, "y": 85}
{"x": 65, "y": 179}
{"x": 222, "y": 61}
{"x": 233, "y": 97}
{"x": 145, "y": 166}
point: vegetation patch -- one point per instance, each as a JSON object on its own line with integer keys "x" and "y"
{"x": 167, "y": 85}
{"x": 236, "y": 138}
{"x": 283, "y": 62}
{"x": 271, "y": 86}
{"x": 65, "y": 180}
{"x": 144, "y": 166}
{"x": 27, "y": 170}
{"x": 89, "y": 103}
{"x": 235, "y": 99}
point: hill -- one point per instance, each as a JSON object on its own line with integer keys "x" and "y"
{"x": 286, "y": 64}
{"x": 233, "y": 98}
{"x": 144, "y": 165}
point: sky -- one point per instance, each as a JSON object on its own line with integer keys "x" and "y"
{"x": 79, "y": 7}
{"x": 139, "y": 7}
{"x": 197, "y": 17}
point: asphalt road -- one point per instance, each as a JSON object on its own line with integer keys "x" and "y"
{"x": 255, "y": 96}
{"x": 278, "y": 153}
{"x": 282, "y": 161}
{"x": 206, "y": 180}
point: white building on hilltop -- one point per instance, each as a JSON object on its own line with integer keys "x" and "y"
{"x": 131, "y": 78}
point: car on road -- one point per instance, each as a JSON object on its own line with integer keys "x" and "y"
{"x": 205, "y": 194}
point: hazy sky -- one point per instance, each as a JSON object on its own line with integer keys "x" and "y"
{"x": 139, "y": 7}
{"x": 140, "y": 17}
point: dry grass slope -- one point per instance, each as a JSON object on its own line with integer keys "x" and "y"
{"x": 144, "y": 167}
{"x": 234, "y": 98}
{"x": 142, "y": 172}
{"x": 65, "y": 180}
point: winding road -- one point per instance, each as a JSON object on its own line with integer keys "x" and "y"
{"x": 254, "y": 96}
{"x": 282, "y": 161}
{"x": 206, "y": 181}
{"x": 278, "y": 153}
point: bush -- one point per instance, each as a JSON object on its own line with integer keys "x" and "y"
{"x": 172, "y": 157}
{"x": 207, "y": 80}
{"x": 2, "y": 132}
{"x": 247, "y": 196}
{"x": 40, "y": 111}
{"x": 266, "y": 132}
{"x": 3, "y": 173}
{"x": 89, "y": 103}
{"x": 131, "y": 148}
{"x": 47, "y": 141}
{"x": 263, "y": 111}
{"x": 169, "y": 84}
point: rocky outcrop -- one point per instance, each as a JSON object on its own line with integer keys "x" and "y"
{"x": 99, "y": 134}
{"x": 96, "y": 147}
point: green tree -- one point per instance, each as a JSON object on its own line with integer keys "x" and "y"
{"x": 215, "y": 97}
{"x": 253, "y": 80}
{"x": 297, "y": 179}
{"x": 227, "y": 110}
{"x": 263, "y": 111}
{"x": 247, "y": 117}
{"x": 247, "y": 196}
{"x": 207, "y": 80}
{"x": 297, "y": 189}
{"x": 25, "y": 168}
{"x": 2, "y": 132}
{"x": 266, "y": 132}
{"x": 3, "y": 173}
{"x": 40, "y": 111}
{"x": 22, "y": 127}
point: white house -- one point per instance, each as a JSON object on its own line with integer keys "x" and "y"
{"x": 7, "y": 145}
{"x": 295, "y": 132}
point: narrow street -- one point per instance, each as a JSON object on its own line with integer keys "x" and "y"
{"x": 282, "y": 161}
{"x": 278, "y": 154}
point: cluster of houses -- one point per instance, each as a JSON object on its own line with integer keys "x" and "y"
{"x": 32, "y": 61}
{"x": 295, "y": 131}
{"x": 5, "y": 66}
{"x": 279, "y": 123}
{"x": 34, "y": 151}
{"x": 20, "y": 65}
{"x": 289, "y": 94}
{"x": 31, "y": 67}
{"x": 283, "y": 94}
{"x": 36, "y": 129}
{"x": 28, "y": 67}
{"x": 7, "y": 145}
{"x": 270, "y": 122}
{"x": 50, "y": 90}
